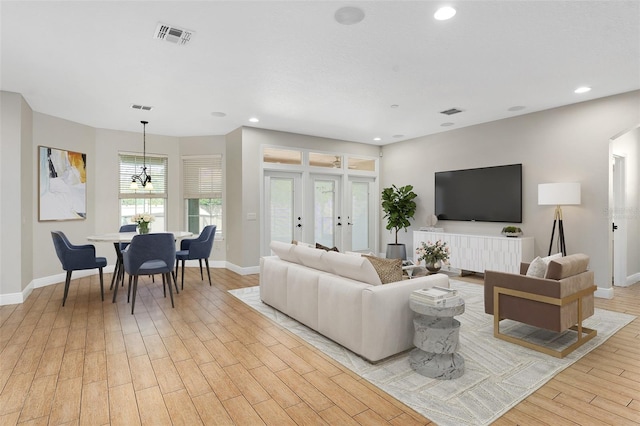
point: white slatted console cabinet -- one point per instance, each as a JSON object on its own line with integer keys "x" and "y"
{"x": 475, "y": 253}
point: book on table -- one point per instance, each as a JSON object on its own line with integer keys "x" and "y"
{"x": 441, "y": 303}
{"x": 434, "y": 293}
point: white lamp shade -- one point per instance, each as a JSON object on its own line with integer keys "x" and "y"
{"x": 558, "y": 194}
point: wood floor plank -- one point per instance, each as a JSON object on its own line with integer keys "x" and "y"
{"x": 273, "y": 414}
{"x": 94, "y": 405}
{"x": 40, "y": 397}
{"x": 241, "y": 412}
{"x": 211, "y": 410}
{"x": 67, "y": 401}
{"x": 214, "y": 360}
{"x": 152, "y": 408}
{"x": 275, "y": 387}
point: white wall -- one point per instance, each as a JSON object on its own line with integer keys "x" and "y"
{"x": 567, "y": 144}
{"x": 16, "y": 205}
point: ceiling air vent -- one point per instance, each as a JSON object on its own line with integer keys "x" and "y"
{"x": 451, "y": 111}
{"x": 172, "y": 34}
{"x": 141, "y": 107}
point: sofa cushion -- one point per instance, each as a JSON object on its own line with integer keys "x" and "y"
{"x": 311, "y": 258}
{"x": 284, "y": 251}
{"x": 389, "y": 270}
{"x": 567, "y": 266}
{"x": 355, "y": 267}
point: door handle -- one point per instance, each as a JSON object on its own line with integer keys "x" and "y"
{"x": 614, "y": 226}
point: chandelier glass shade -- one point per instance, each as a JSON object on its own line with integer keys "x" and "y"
{"x": 143, "y": 178}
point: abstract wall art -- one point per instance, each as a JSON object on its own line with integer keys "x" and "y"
{"x": 62, "y": 184}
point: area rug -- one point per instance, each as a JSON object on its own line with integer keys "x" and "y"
{"x": 497, "y": 376}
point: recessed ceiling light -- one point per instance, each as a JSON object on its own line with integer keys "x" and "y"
{"x": 444, "y": 13}
{"x": 377, "y": 139}
{"x": 218, "y": 114}
{"x": 254, "y": 119}
{"x": 516, "y": 108}
{"x": 583, "y": 89}
{"x": 394, "y": 106}
{"x": 349, "y": 15}
{"x": 447, "y": 124}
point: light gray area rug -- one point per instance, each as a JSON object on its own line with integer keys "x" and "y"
{"x": 497, "y": 375}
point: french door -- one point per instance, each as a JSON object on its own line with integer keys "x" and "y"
{"x": 325, "y": 210}
{"x": 283, "y": 207}
{"x": 360, "y": 220}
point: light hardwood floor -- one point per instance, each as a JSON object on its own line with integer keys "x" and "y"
{"x": 213, "y": 360}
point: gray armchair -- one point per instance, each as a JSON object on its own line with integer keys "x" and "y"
{"x": 560, "y": 301}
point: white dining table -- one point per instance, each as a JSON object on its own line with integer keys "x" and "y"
{"x": 125, "y": 237}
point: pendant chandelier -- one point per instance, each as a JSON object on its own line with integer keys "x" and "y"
{"x": 143, "y": 177}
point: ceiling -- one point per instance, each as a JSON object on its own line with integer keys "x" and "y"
{"x": 293, "y": 66}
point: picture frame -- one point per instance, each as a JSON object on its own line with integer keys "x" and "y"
{"x": 62, "y": 184}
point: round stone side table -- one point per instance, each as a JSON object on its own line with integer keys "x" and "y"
{"x": 436, "y": 340}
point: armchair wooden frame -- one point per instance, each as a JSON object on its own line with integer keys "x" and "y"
{"x": 584, "y": 334}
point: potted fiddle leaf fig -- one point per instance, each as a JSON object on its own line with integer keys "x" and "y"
{"x": 399, "y": 206}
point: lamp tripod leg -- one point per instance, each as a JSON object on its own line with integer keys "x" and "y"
{"x": 553, "y": 232}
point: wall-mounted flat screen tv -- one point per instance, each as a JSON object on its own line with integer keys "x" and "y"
{"x": 488, "y": 194}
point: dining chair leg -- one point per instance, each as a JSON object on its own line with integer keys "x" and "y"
{"x": 67, "y": 282}
{"x": 175, "y": 281}
{"x": 206, "y": 261}
{"x": 101, "y": 286}
{"x": 164, "y": 285}
{"x": 201, "y": 276}
{"x": 116, "y": 273}
{"x": 115, "y": 292}
{"x": 129, "y": 289}
{"x": 169, "y": 276}
{"x": 182, "y": 274}
{"x": 177, "y": 266}
{"x": 135, "y": 290}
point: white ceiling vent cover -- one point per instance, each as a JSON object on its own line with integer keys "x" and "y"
{"x": 172, "y": 34}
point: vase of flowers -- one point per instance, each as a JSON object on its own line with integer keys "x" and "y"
{"x": 143, "y": 220}
{"x": 434, "y": 255}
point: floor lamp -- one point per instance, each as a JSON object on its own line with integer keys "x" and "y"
{"x": 558, "y": 194}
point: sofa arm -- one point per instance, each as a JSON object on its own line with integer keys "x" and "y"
{"x": 387, "y": 323}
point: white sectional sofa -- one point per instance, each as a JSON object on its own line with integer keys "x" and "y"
{"x": 341, "y": 296}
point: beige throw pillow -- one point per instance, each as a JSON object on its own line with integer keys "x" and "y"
{"x": 389, "y": 270}
{"x": 537, "y": 268}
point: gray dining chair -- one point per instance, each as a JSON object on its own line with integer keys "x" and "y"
{"x": 197, "y": 248}
{"x": 149, "y": 254}
{"x": 76, "y": 258}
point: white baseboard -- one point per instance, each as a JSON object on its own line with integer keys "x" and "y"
{"x": 632, "y": 279}
{"x": 20, "y": 297}
{"x": 604, "y": 293}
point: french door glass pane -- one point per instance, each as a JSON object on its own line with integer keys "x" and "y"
{"x": 360, "y": 216}
{"x": 281, "y": 209}
{"x": 323, "y": 209}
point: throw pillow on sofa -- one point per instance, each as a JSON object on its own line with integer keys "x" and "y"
{"x": 389, "y": 270}
{"x": 325, "y": 248}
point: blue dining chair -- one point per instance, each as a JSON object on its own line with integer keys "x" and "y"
{"x": 76, "y": 258}
{"x": 197, "y": 248}
{"x": 149, "y": 254}
{"x": 118, "y": 272}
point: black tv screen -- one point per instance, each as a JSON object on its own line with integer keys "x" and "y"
{"x": 488, "y": 194}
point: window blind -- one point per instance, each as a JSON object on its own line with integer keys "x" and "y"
{"x": 202, "y": 177}
{"x": 132, "y": 165}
